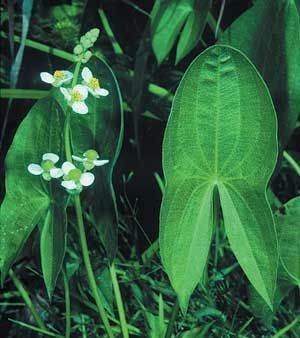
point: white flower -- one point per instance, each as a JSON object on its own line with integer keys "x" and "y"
{"x": 58, "y": 78}
{"x": 92, "y": 83}
{"x": 76, "y": 97}
{"x": 74, "y": 178}
{"x": 47, "y": 168}
{"x": 90, "y": 159}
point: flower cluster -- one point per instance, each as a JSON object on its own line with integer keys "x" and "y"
{"x": 86, "y": 41}
{"x": 73, "y": 178}
{"x": 77, "y": 95}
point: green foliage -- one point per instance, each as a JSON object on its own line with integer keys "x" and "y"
{"x": 221, "y": 136}
{"x": 53, "y": 245}
{"x": 269, "y": 34}
{"x": 168, "y": 18}
{"x": 28, "y": 198}
{"x": 288, "y": 230}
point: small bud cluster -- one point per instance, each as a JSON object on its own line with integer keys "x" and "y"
{"x": 87, "y": 41}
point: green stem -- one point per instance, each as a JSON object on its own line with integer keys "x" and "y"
{"x": 287, "y": 328}
{"x": 172, "y": 319}
{"x": 68, "y": 305}
{"x": 29, "y": 94}
{"x": 88, "y": 266}
{"x": 27, "y": 300}
{"x": 83, "y": 241}
{"x": 292, "y": 162}
{"x": 67, "y": 120}
{"x": 43, "y": 48}
{"x": 119, "y": 301}
{"x": 116, "y": 46}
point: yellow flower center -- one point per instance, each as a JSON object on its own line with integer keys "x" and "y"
{"x": 94, "y": 83}
{"x": 76, "y": 95}
{"x": 59, "y": 75}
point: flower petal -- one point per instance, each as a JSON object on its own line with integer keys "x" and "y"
{"x": 66, "y": 93}
{"x": 67, "y": 166}
{"x": 69, "y": 184}
{"x": 68, "y": 75}
{"x": 80, "y": 108}
{"x": 47, "y": 77}
{"x": 99, "y": 163}
{"x": 77, "y": 158}
{"x": 50, "y": 156}
{"x": 102, "y": 92}
{"x": 87, "y": 179}
{"x": 86, "y": 74}
{"x": 35, "y": 169}
{"x": 56, "y": 172}
{"x": 82, "y": 90}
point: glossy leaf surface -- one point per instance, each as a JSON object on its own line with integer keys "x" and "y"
{"x": 29, "y": 198}
{"x": 269, "y": 34}
{"x": 221, "y": 136}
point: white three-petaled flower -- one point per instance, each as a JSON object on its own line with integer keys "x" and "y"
{"x": 58, "y": 78}
{"x": 90, "y": 159}
{"x": 74, "y": 178}
{"x": 47, "y": 168}
{"x": 76, "y": 97}
{"x": 92, "y": 83}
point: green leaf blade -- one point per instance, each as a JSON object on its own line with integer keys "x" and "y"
{"x": 167, "y": 21}
{"x": 222, "y": 133}
{"x": 28, "y": 197}
{"x": 269, "y": 34}
{"x": 192, "y": 231}
{"x": 53, "y": 245}
{"x": 193, "y": 29}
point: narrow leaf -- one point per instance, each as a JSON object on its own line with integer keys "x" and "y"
{"x": 221, "y": 136}
{"x": 53, "y": 244}
{"x": 167, "y": 20}
{"x": 193, "y": 29}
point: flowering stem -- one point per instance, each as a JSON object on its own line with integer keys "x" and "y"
{"x": 119, "y": 300}
{"x": 67, "y": 120}
{"x": 88, "y": 266}
{"x": 68, "y": 305}
{"x": 78, "y": 209}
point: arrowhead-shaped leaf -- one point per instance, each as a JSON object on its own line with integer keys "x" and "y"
{"x": 29, "y": 199}
{"x": 269, "y": 34}
{"x": 101, "y": 129}
{"x": 221, "y": 136}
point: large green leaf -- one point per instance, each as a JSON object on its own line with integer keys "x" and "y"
{"x": 101, "y": 129}
{"x": 288, "y": 229}
{"x": 193, "y": 29}
{"x": 168, "y": 18}
{"x": 221, "y": 136}
{"x": 29, "y": 198}
{"x": 269, "y": 34}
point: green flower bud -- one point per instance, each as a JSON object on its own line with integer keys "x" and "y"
{"x": 91, "y": 154}
{"x": 78, "y": 49}
{"x": 87, "y": 56}
{"x": 95, "y": 32}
